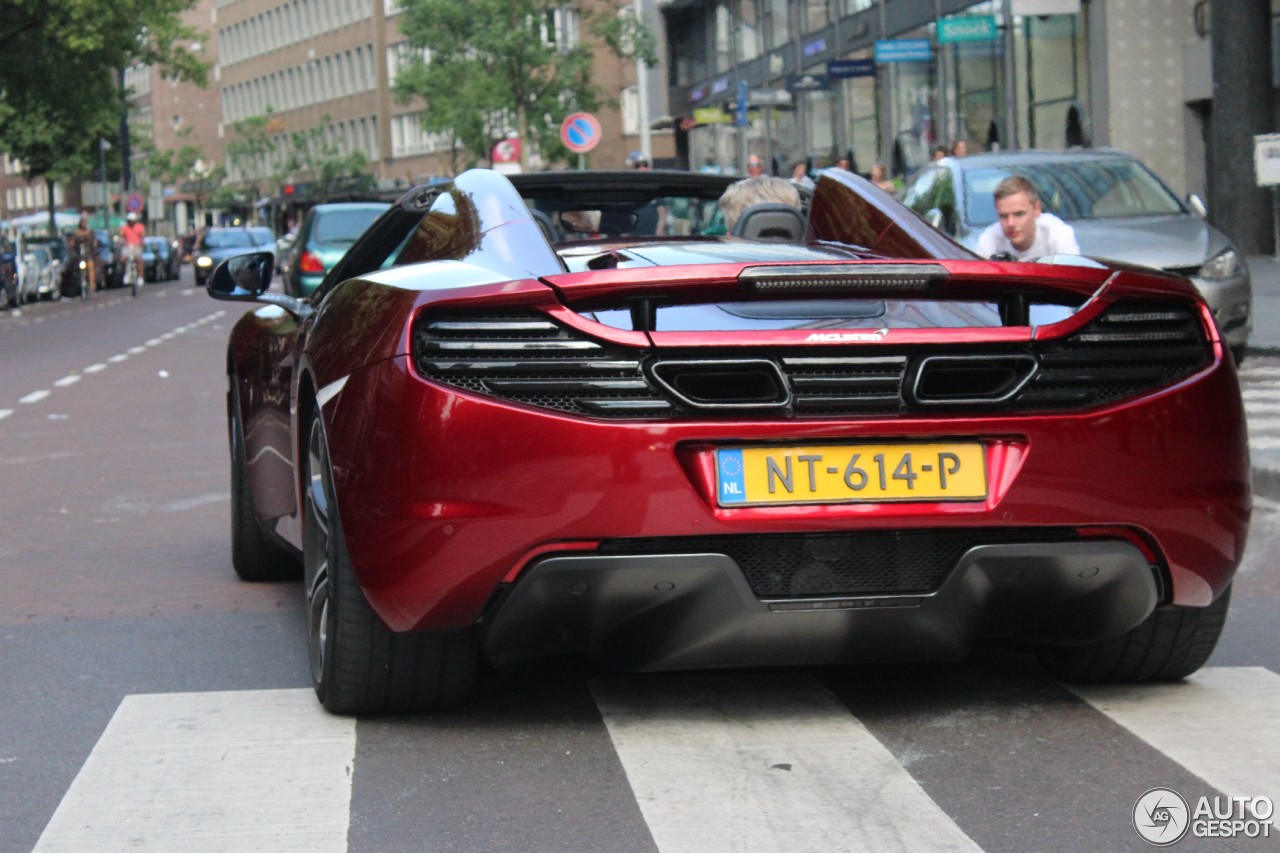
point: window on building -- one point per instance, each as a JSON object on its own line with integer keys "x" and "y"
{"x": 687, "y": 30}
{"x": 815, "y": 15}
{"x": 750, "y": 34}
{"x": 779, "y": 23}
{"x": 561, "y": 27}
{"x": 723, "y": 38}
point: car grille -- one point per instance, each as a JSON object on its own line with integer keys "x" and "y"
{"x": 865, "y": 563}
{"x": 1131, "y": 349}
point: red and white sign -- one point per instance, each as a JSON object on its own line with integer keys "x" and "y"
{"x": 133, "y": 203}
{"x": 580, "y": 132}
{"x": 506, "y": 151}
{"x": 505, "y": 156}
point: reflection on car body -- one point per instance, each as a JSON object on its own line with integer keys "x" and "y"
{"x": 673, "y": 452}
{"x": 1120, "y": 211}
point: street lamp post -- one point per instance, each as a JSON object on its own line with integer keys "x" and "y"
{"x": 102, "y": 174}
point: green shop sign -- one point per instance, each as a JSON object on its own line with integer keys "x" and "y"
{"x": 967, "y": 28}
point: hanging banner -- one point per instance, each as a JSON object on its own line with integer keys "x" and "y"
{"x": 903, "y": 50}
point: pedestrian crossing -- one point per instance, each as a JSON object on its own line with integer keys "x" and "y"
{"x": 1260, "y": 388}
{"x": 716, "y": 762}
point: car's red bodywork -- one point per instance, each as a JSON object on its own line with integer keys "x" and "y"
{"x": 449, "y": 497}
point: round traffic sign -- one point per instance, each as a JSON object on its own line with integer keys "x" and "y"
{"x": 133, "y": 203}
{"x": 580, "y": 132}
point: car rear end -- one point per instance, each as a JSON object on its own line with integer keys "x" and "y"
{"x": 325, "y": 238}
{"x": 796, "y": 463}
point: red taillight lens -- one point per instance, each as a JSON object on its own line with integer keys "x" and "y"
{"x": 310, "y": 262}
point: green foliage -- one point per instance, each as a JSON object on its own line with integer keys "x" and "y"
{"x": 169, "y": 166}
{"x": 495, "y": 66}
{"x": 59, "y": 60}
{"x": 307, "y": 158}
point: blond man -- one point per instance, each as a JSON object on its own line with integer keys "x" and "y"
{"x": 761, "y": 189}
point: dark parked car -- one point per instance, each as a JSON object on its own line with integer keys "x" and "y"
{"x": 159, "y": 260}
{"x": 481, "y": 438}
{"x": 324, "y": 235}
{"x": 217, "y": 244}
{"x": 1119, "y": 209}
{"x": 8, "y": 274}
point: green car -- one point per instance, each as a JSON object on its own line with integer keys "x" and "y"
{"x": 326, "y": 232}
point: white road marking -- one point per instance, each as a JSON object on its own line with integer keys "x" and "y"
{"x": 116, "y": 359}
{"x": 192, "y": 503}
{"x": 762, "y": 763}
{"x": 1220, "y": 724}
{"x": 135, "y": 350}
{"x": 95, "y": 368}
{"x": 4, "y": 413}
{"x": 256, "y": 770}
{"x": 34, "y": 397}
{"x": 67, "y": 380}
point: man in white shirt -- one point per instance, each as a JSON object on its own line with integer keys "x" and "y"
{"x": 1024, "y": 230}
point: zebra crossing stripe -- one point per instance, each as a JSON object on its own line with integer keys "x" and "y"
{"x": 1221, "y": 724}
{"x": 260, "y": 770}
{"x": 763, "y": 763}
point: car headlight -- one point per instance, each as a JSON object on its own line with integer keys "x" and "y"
{"x": 1225, "y": 264}
{"x": 204, "y": 261}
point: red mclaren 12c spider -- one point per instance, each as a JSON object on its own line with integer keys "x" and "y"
{"x": 564, "y": 412}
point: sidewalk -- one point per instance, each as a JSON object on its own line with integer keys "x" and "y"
{"x": 1265, "y": 340}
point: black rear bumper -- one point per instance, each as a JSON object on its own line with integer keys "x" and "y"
{"x": 656, "y": 611}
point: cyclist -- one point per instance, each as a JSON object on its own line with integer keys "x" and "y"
{"x": 85, "y": 244}
{"x": 132, "y": 233}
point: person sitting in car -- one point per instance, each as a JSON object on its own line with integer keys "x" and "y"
{"x": 761, "y": 189}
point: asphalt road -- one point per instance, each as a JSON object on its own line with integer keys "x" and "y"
{"x": 150, "y": 701}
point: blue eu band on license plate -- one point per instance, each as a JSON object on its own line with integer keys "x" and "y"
{"x": 844, "y": 473}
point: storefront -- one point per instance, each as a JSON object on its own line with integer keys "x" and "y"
{"x": 880, "y": 81}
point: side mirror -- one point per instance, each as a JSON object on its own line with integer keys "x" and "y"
{"x": 934, "y": 218}
{"x": 242, "y": 278}
{"x": 1197, "y": 206}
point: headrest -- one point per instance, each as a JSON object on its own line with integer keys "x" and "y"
{"x": 771, "y": 221}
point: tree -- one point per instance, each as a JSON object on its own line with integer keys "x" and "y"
{"x": 313, "y": 159}
{"x": 308, "y": 157}
{"x": 486, "y": 65}
{"x": 251, "y": 152}
{"x": 59, "y": 60}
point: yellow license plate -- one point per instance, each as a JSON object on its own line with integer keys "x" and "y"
{"x": 844, "y": 473}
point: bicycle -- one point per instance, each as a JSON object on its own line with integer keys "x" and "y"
{"x": 133, "y": 272}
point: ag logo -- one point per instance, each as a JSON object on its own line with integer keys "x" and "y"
{"x": 1161, "y": 817}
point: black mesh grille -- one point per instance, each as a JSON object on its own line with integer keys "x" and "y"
{"x": 1133, "y": 348}
{"x": 816, "y": 565}
{"x": 530, "y": 359}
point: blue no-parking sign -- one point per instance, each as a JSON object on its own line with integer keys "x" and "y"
{"x": 580, "y": 132}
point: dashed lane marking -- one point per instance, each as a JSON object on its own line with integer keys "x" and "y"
{"x": 98, "y": 367}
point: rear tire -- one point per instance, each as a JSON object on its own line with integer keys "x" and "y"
{"x": 1169, "y": 644}
{"x": 358, "y": 665}
{"x": 252, "y": 556}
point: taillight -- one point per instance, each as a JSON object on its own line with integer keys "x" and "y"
{"x": 310, "y": 262}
